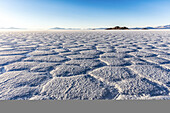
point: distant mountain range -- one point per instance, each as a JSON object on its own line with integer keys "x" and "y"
{"x": 164, "y": 27}
{"x": 158, "y": 27}
{"x": 104, "y": 28}
{"x": 11, "y": 28}
{"x": 58, "y": 28}
{"x": 96, "y": 28}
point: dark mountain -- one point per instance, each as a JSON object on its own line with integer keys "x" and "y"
{"x": 118, "y": 28}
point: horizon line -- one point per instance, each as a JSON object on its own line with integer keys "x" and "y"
{"x": 68, "y": 28}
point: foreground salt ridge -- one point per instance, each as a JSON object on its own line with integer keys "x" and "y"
{"x": 85, "y": 65}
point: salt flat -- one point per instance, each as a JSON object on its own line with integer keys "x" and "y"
{"x": 84, "y": 65}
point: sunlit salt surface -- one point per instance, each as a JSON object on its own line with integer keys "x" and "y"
{"x": 84, "y": 65}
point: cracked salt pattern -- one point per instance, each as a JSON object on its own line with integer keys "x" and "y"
{"x": 85, "y": 65}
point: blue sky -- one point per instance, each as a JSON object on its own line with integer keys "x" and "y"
{"x": 44, "y": 14}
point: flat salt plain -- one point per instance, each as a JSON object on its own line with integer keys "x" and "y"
{"x": 84, "y": 65}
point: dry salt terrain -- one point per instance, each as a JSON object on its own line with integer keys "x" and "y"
{"x": 85, "y": 65}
